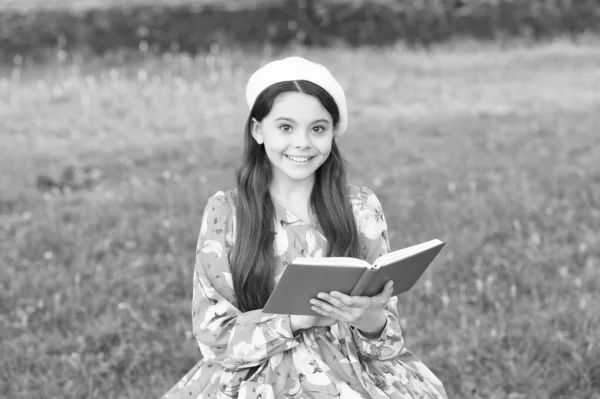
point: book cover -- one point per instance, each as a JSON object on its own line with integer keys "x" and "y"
{"x": 304, "y": 278}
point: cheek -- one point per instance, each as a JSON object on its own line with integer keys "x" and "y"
{"x": 274, "y": 144}
{"x": 277, "y": 149}
{"x": 324, "y": 147}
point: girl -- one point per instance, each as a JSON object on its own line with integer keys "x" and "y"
{"x": 292, "y": 200}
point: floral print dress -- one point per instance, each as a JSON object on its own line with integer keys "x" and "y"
{"x": 256, "y": 355}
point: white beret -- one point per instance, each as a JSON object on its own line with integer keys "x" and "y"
{"x": 297, "y": 68}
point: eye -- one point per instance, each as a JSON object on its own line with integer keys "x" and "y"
{"x": 285, "y": 128}
{"x": 319, "y": 129}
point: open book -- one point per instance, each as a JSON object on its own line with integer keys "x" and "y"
{"x": 304, "y": 278}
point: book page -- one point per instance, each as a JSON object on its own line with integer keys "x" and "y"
{"x": 407, "y": 252}
{"x": 332, "y": 261}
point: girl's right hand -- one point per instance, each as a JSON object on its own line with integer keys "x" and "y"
{"x": 300, "y": 322}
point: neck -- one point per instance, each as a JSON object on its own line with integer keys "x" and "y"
{"x": 292, "y": 191}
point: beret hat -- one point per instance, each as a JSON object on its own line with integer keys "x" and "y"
{"x": 297, "y": 68}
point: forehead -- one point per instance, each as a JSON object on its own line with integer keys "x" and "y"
{"x": 299, "y": 106}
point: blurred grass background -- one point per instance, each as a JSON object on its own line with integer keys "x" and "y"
{"x": 107, "y": 161}
{"x": 36, "y": 29}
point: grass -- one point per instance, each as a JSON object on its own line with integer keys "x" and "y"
{"x": 80, "y": 5}
{"x": 106, "y": 168}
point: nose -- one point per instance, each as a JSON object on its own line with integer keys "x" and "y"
{"x": 301, "y": 138}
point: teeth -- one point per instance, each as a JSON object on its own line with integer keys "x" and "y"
{"x": 299, "y": 159}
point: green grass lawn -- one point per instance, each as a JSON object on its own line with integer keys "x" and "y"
{"x": 496, "y": 151}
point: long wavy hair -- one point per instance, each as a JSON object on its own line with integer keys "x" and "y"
{"x": 252, "y": 258}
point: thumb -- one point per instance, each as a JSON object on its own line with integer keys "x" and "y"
{"x": 387, "y": 291}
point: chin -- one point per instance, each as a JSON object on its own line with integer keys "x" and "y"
{"x": 300, "y": 177}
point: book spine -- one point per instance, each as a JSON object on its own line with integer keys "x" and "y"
{"x": 363, "y": 282}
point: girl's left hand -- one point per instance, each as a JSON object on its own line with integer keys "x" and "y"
{"x": 362, "y": 312}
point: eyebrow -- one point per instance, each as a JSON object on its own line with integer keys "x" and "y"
{"x": 291, "y": 120}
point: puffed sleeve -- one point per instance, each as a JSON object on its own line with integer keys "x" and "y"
{"x": 225, "y": 335}
{"x": 373, "y": 237}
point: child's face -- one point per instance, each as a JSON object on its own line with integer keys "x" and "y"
{"x": 297, "y": 135}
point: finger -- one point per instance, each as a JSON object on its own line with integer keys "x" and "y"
{"x": 332, "y": 300}
{"x": 331, "y": 313}
{"x": 321, "y": 311}
{"x": 388, "y": 287}
{"x": 323, "y": 305}
{"x": 386, "y": 293}
{"x": 334, "y": 313}
{"x": 351, "y": 301}
{"x": 327, "y": 309}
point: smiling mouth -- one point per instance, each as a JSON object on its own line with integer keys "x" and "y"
{"x": 299, "y": 159}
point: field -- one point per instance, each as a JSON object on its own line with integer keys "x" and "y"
{"x": 78, "y": 5}
{"x": 106, "y": 168}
